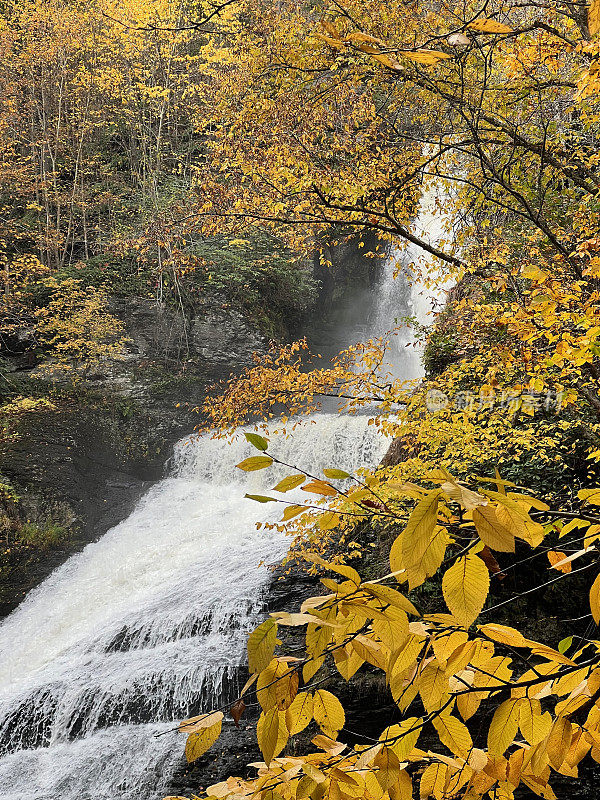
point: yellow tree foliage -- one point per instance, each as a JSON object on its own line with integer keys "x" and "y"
{"x": 444, "y": 671}
{"x": 76, "y": 327}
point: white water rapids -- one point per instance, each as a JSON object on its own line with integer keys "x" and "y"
{"x": 149, "y": 623}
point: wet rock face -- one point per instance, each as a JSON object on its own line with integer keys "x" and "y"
{"x": 217, "y": 337}
{"x": 225, "y": 339}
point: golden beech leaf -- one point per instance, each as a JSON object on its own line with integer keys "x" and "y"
{"x": 388, "y": 768}
{"x": 491, "y": 531}
{"x": 468, "y": 704}
{"x": 296, "y": 619}
{"x": 465, "y": 587}
{"x": 504, "y": 634}
{"x": 331, "y": 29}
{"x": 454, "y": 734}
{"x": 595, "y": 600}
{"x": 314, "y": 773}
{"x": 368, "y": 755}
{"x": 335, "y": 43}
{"x": 328, "y": 521}
{"x": 299, "y": 714}
{"x": 328, "y": 712}
{"x": 434, "y": 782}
{"x": 291, "y": 482}
{"x": 486, "y": 25}
{"x": 534, "y": 725}
{"x": 255, "y": 462}
{"x": 194, "y": 724}
{"x": 461, "y": 494}
{"x": 272, "y": 733}
{"x": 594, "y": 17}
{"x": 421, "y": 522}
{"x": 202, "y": 740}
{"x": 320, "y": 487}
{"x": 384, "y": 59}
{"x": 358, "y": 37}
{"x": 420, "y": 548}
{"x": 310, "y": 669}
{"x": 423, "y": 56}
{"x": 446, "y": 643}
{"x": 559, "y": 561}
{"x": 388, "y": 595}
{"x": 402, "y": 659}
{"x": 347, "y": 661}
{"x": 261, "y": 645}
{"x": 328, "y": 744}
{"x": 503, "y": 727}
{"x": 336, "y": 474}
{"x": 315, "y": 602}
{"x": 292, "y": 511}
{"x": 277, "y": 685}
{"x": 433, "y": 686}
{"x": 559, "y": 741}
{"x": 392, "y": 628}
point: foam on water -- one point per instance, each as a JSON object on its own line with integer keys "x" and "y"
{"x": 149, "y": 623}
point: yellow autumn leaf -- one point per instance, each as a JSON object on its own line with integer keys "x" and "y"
{"x": 328, "y": 712}
{"x": 202, "y": 740}
{"x": 299, "y": 714}
{"x": 434, "y": 781}
{"x": 558, "y": 560}
{"x": 465, "y": 587}
{"x": 453, "y": 733}
{"x": 423, "y": 56}
{"x": 336, "y": 43}
{"x": 194, "y": 724}
{"x": 491, "y": 531}
{"x": 402, "y": 737}
{"x": 503, "y": 727}
{"x": 292, "y": 511}
{"x": 320, "y": 487}
{"x": 291, "y": 482}
{"x": 384, "y": 59}
{"x": 255, "y": 462}
{"x": 388, "y": 595}
{"x": 534, "y": 725}
{"x": 341, "y": 569}
{"x": 388, "y": 768}
{"x": 272, "y": 733}
{"x": 261, "y": 645}
{"x": 504, "y": 634}
{"x": 461, "y": 494}
{"x": 486, "y": 25}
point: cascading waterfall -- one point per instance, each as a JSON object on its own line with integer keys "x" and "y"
{"x": 149, "y": 623}
{"x": 402, "y": 295}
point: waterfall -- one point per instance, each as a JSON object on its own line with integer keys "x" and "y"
{"x": 149, "y": 623}
{"x": 401, "y": 292}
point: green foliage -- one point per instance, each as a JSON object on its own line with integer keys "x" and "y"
{"x": 119, "y": 276}
{"x": 440, "y": 351}
{"x": 257, "y": 273}
{"x": 43, "y": 536}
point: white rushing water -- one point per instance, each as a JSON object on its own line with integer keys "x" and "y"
{"x": 148, "y": 624}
